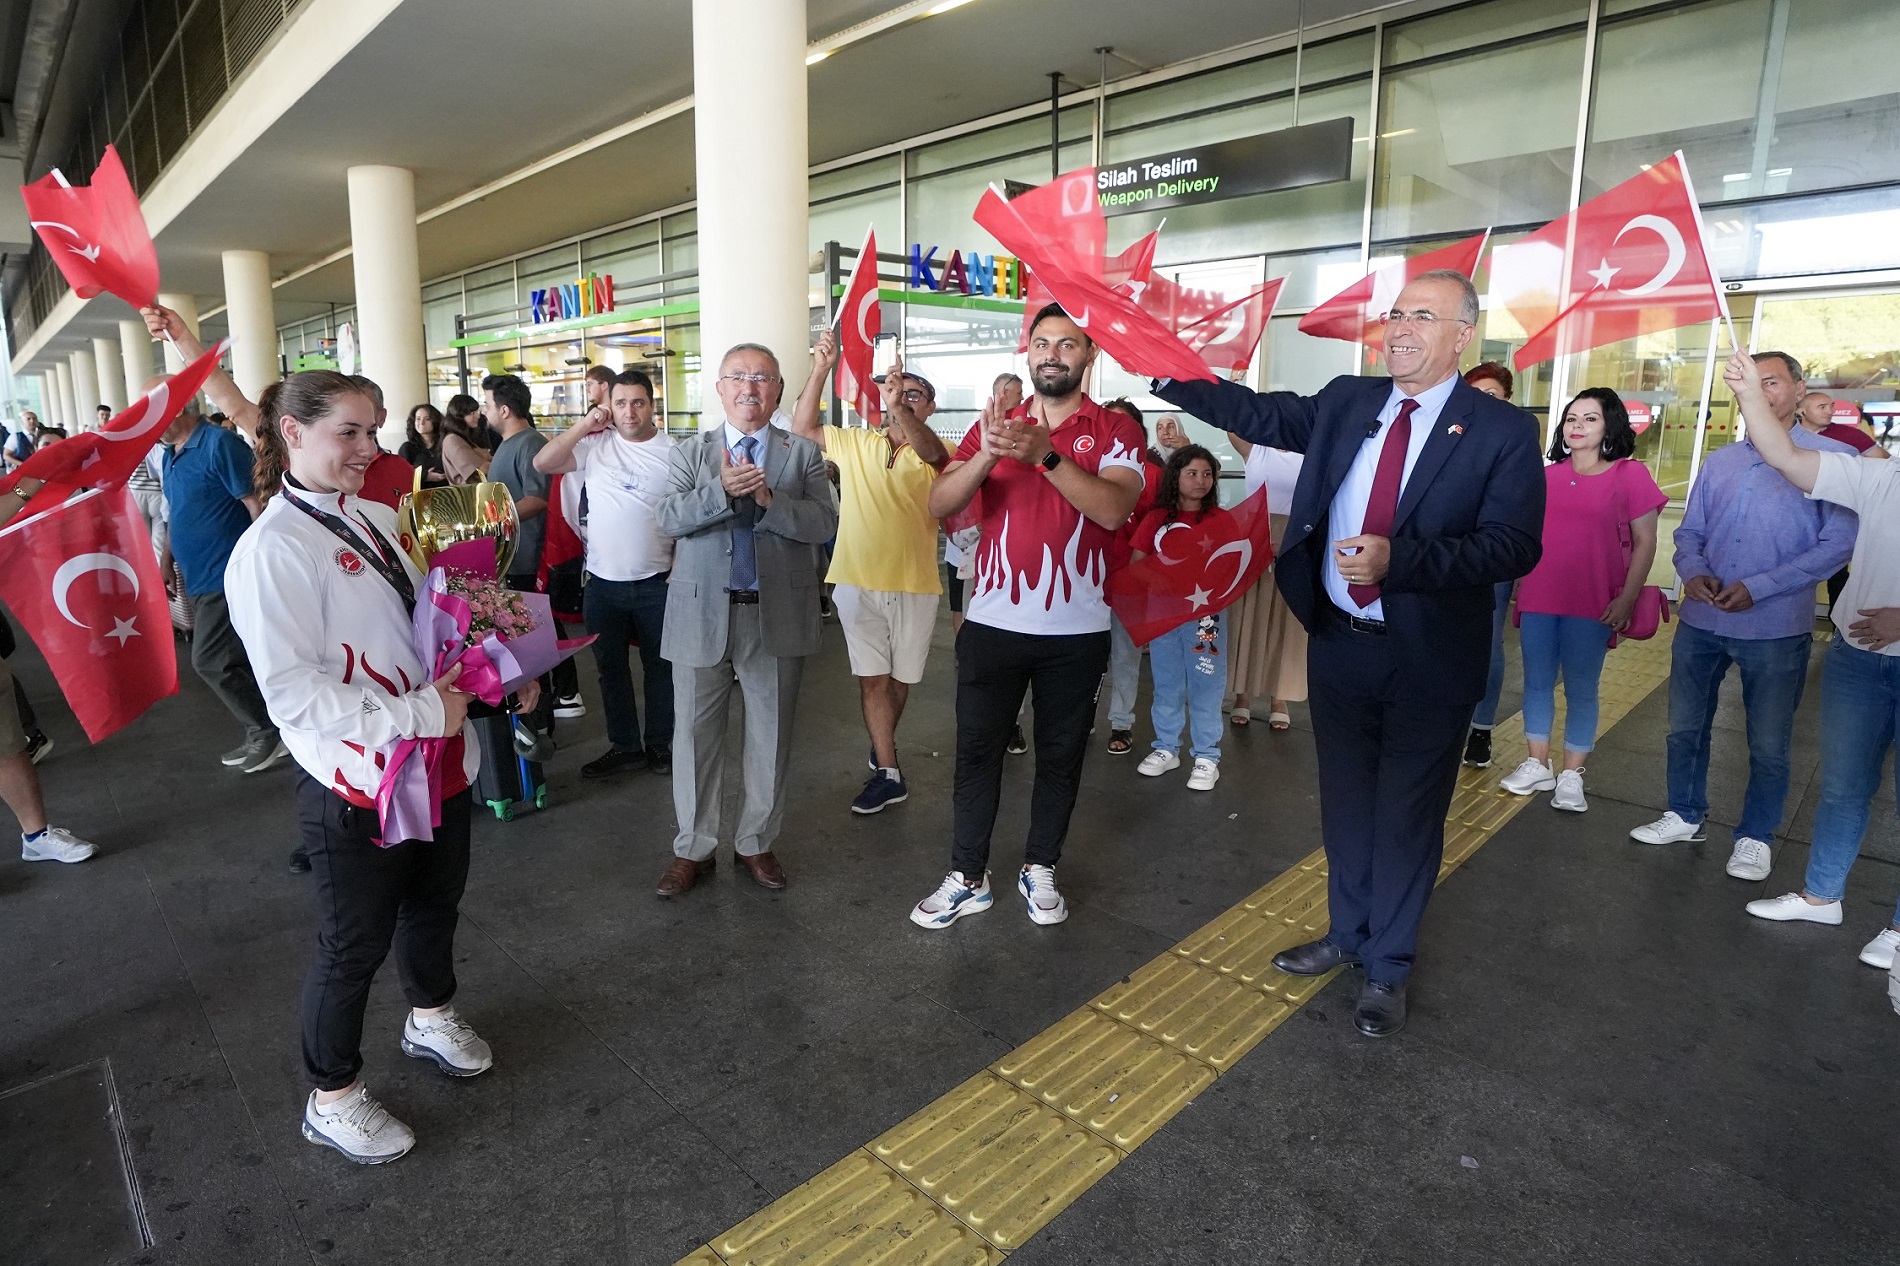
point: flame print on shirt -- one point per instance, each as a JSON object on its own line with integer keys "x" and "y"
{"x": 1020, "y": 580}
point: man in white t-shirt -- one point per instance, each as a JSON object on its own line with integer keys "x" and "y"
{"x": 624, "y": 462}
{"x": 1860, "y": 682}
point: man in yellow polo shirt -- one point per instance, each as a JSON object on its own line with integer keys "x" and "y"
{"x": 884, "y": 566}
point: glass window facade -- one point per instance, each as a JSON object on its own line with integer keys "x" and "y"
{"x": 1464, "y": 118}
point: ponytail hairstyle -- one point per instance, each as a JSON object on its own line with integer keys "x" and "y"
{"x": 308, "y": 397}
{"x": 1168, "y": 496}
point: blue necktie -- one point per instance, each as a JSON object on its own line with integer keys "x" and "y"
{"x": 745, "y": 561}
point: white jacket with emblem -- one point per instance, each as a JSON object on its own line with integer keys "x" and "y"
{"x": 329, "y": 641}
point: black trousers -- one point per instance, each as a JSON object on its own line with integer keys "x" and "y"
{"x": 218, "y": 654}
{"x": 994, "y": 668}
{"x": 1388, "y": 766}
{"x": 369, "y": 898}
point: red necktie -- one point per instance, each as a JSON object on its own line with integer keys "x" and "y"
{"x": 1382, "y": 506}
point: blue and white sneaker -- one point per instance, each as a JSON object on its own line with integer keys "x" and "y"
{"x": 954, "y": 898}
{"x": 1038, "y": 886}
{"x": 880, "y": 789}
{"x": 357, "y": 1126}
{"x": 446, "y": 1038}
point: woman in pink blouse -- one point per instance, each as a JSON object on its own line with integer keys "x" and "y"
{"x": 1599, "y": 541}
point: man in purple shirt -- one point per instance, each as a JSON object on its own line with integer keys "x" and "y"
{"x": 1750, "y": 551}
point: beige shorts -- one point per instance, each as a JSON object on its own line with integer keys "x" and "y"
{"x": 12, "y": 733}
{"x": 888, "y": 634}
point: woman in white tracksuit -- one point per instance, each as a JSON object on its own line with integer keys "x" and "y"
{"x": 322, "y": 596}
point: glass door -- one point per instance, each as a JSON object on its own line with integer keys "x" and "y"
{"x": 1849, "y": 345}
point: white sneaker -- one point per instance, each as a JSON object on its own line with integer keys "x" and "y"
{"x": 1752, "y": 859}
{"x": 1569, "y": 795}
{"x": 55, "y": 845}
{"x": 1532, "y": 776}
{"x": 1668, "y": 829}
{"x": 954, "y": 898}
{"x": 569, "y": 706}
{"x": 1880, "y": 951}
{"x": 447, "y": 1039}
{"x": 357, "y": 1126}
{"x": 1157, "y": 763}
{"x": 1038, "y": 886}
{"x": 1206, "y": 774}
{"x": 1793, "y": 907}
{"x": 1893, "y": 985}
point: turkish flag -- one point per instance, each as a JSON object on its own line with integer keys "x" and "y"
{"x": 1129, "y": 272}
{"x": 84, "y": 581}
{"x": 106, "y": 458}
{"x": 1109, "y": 316}
{"x": 1638, "y": 263}
{"x": 96, "y": 233}
{"x": 1357, "y": 313}
{"x": 860, "y": 321}
{"x": 1197, "y": 569}
{"x": 1225, "y": 332}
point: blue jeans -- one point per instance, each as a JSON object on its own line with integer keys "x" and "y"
{"x": 1577, "y": 646}
{"x": 620, "y": 612}
{"x": 1774, "y": 673}
{"x": 1190, "y": 676}
{"x": 1487, "y": 714}
{"x": 1124, "y": 675}
{"x": 1860, "y": 702}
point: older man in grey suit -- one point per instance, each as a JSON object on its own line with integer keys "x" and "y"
{"x": 749, "y": 507}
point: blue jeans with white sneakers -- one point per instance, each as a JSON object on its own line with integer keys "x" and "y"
{"x": 1190, "y": 679}
{"x": 1860, "y": 706}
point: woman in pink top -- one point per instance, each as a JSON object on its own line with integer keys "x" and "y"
{"x": 1599, "y": 541}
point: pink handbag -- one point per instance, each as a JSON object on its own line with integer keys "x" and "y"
{"x": 1651, "y": 611}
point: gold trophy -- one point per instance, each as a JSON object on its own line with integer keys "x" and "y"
{"x": 432, "y": 519}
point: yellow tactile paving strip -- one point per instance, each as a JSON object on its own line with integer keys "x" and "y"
{"x": 972, "y": 1176}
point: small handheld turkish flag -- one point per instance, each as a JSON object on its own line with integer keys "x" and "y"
{"x": 860, "y": 321}
{"x": 106, "y": 458}
{"x": 84, "y": 581}
{"x": 96, "y": 233}
{"x": 1357, "y": 313}
{"x": 1636, "y": 262}
{"x": 1196, "y": 569}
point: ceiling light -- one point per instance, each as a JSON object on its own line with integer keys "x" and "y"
{"x": 1731, "y": 179}
{"x": 812, "y": 59}
{"x": 944, "y": 7}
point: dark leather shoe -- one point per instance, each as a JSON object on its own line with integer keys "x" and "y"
{"x": 682, "y": 873}
{"x": 659, "y": 760}
{"x": 615, "y": 760}
{"x": 1315, "y": 958}
{"x": 1381, "y": 1011}
{"x": 299, "y": 863}
{"x": 765, "y": 870}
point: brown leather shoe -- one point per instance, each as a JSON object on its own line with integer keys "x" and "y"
{"x": 765, "y": 870}
{"x": 682, "y": 873}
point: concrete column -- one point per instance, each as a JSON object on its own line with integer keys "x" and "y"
{"x": 68, "y": 411}
{"x": 388, "y": 290}
{"x": 85, "y": 388}
{"x": 105, "y": 358}
{"x": 749, "y": 126}
{"x": 186, "y": 306}
{"x": 49, "y": 398}
{"x": 135, "y": 355}
{"x": 250, "y": 309}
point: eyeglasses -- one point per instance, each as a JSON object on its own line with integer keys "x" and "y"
{"x": 750, "y": 380}
{"x": 914, "y": 396}
{"x": 1421, "y": 318}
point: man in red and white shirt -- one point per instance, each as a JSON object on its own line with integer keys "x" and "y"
{"x": 1053, "y": 480}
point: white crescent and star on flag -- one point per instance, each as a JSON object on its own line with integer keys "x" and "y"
{"x": 1671, "y": 237}
{"x": 89, "y": 252}
{"x": 79, "y": 565}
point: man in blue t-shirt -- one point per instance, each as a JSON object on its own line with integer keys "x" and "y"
{"x": 210, "y": 501}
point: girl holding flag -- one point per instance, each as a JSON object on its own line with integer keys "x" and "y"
{"x": 322, "y": 597}
{"x": 1190, "y": 677}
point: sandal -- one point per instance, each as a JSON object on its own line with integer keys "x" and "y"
{"x": 1242, "y": 716}
{"x": 1120, "y": 742}
{"x": 1279, "y": 721}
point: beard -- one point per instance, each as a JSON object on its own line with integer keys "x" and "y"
{"x": 1064, "y": 384}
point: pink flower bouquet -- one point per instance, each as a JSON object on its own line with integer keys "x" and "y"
{"x": 501, "y": 638}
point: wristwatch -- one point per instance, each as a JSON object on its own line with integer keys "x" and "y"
{"x": 1051, "y": 460}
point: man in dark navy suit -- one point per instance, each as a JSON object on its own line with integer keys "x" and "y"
{"x": 1419, "y": 493}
